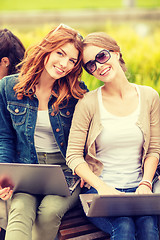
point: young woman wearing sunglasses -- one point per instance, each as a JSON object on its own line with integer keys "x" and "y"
{"x": 118, "y": 124}
{"x": 36, "y": 109}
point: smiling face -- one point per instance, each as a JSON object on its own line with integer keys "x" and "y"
{"x": 61, "y": 61}
{"x": 106, "y": 71}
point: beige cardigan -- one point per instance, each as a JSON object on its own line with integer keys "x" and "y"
{"x": 86, "y": 127}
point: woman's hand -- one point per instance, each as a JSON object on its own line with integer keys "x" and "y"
{"x": 82, "y": 183}
{"x": 6, "y": 188}
{"x": 5, "y": 193}
{"x": 86, "y": 175}
{"x": 143, "y": 189}
{"x": 105, "y": 189}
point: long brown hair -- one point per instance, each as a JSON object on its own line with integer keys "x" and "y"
{"x": 101, "y": 39}
{"x": 33, "y": 65}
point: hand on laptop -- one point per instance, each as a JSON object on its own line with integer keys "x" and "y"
{"x": 142, "y": 189}
{"x": 6, "y": 187}
{"x": 105, "y": 189}
{"x": 5, "y": 193}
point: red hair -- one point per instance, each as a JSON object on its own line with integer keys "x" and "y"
{"x": 33, "y": 65}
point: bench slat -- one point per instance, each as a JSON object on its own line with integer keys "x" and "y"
{"x": 76, "y": 226}
{"x": 96, "y": 235}
{"x": 73, "y": 222}
{"x": 77, "y": 231}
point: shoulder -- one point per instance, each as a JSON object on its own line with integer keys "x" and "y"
{"x": 148, "y": 90}
{"x": 88, "y": 103}
{"x": 9, "y": 81}
{"x": 90, "y": 97}
{"x": 149, "y": 96}
{"x": 6, "y": 85}
{"x": 148, "y": 93}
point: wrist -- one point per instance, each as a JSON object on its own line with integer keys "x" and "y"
{"x": 101, "y": 186}
{"x": 146, "y": 183}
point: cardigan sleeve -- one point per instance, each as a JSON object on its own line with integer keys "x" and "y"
{"x": 154, "y": 142}
{"x": 78, "y": 134}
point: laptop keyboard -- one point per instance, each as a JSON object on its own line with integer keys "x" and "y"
{"x": 71, "y": 180}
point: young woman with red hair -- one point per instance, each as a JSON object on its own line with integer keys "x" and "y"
{"x": 36, "y": 109}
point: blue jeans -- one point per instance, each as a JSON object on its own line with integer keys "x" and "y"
{"x": 127, "y": 228}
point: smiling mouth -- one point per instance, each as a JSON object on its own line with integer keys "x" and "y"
{"x": 106, "y": 70}
{"x": 59, "y": 69}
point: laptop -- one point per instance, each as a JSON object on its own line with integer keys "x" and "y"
{"x": 37, "y": 179}
{"x": 130, "y": 204}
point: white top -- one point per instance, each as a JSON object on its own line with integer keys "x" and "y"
{"x": 44, "y": 138}
{"x": 119, "y": 147}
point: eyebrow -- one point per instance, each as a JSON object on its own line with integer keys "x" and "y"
{"x": 66, "y": 54}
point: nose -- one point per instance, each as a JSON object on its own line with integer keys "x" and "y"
{"x": 64, "y": 62}
{"x": 99, "y": 65}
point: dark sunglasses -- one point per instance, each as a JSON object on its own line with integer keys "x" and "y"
{"x": 101, "y": 57}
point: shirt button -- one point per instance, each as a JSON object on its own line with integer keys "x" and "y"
{"x": 57, "y": 130}
{"x": 67, "y": 113}
{"x": 16, "y": 110}
{"x": 61, "y": 144}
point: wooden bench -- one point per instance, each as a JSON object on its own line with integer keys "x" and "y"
{"x": 75, "y": 226}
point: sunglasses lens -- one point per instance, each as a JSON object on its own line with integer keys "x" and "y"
{"x": 103, "y": 56}
{"x": 90, "y": 66}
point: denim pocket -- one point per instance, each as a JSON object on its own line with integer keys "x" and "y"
{"x": 18, "y": 114}
{"x": 66, "y": 115}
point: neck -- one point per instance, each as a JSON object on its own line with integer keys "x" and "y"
{"x": 3, "y": 72}
{"x": 45, "y": 82}
{"x": 119, "y": 87}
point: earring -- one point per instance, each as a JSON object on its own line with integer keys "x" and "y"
{"x": 6, "y": 65}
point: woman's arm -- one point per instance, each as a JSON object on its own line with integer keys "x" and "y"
{"x": 88, "y": 176}
{"x": 78, "y": 134}
{"x": 7, "y": 139}
{"x": 152, "y": 157}
{"x": 81, "y": 122}
{"x": 7, "y": 133}
{"x": 150, "y": 166}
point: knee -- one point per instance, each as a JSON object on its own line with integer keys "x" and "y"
{"x": 149, "y": 223}
{"x": 125, "y": 226}
{"x": 51, "y": 214}
{"x": 20, "y": 208}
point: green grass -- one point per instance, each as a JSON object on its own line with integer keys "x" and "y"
{"x": 71, "y": 4}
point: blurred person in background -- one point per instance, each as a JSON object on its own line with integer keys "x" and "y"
{"x": 11, "y": 53}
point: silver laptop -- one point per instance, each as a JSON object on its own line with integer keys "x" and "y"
{"x": 37, "y": 179}
{"x": 130, "y": 204}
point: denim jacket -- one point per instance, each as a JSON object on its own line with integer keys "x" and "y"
{"x": 18, "y": 121}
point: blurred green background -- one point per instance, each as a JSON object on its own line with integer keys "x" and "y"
{"x": 135, "y": 25}
{"x": 73, "y": 4}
